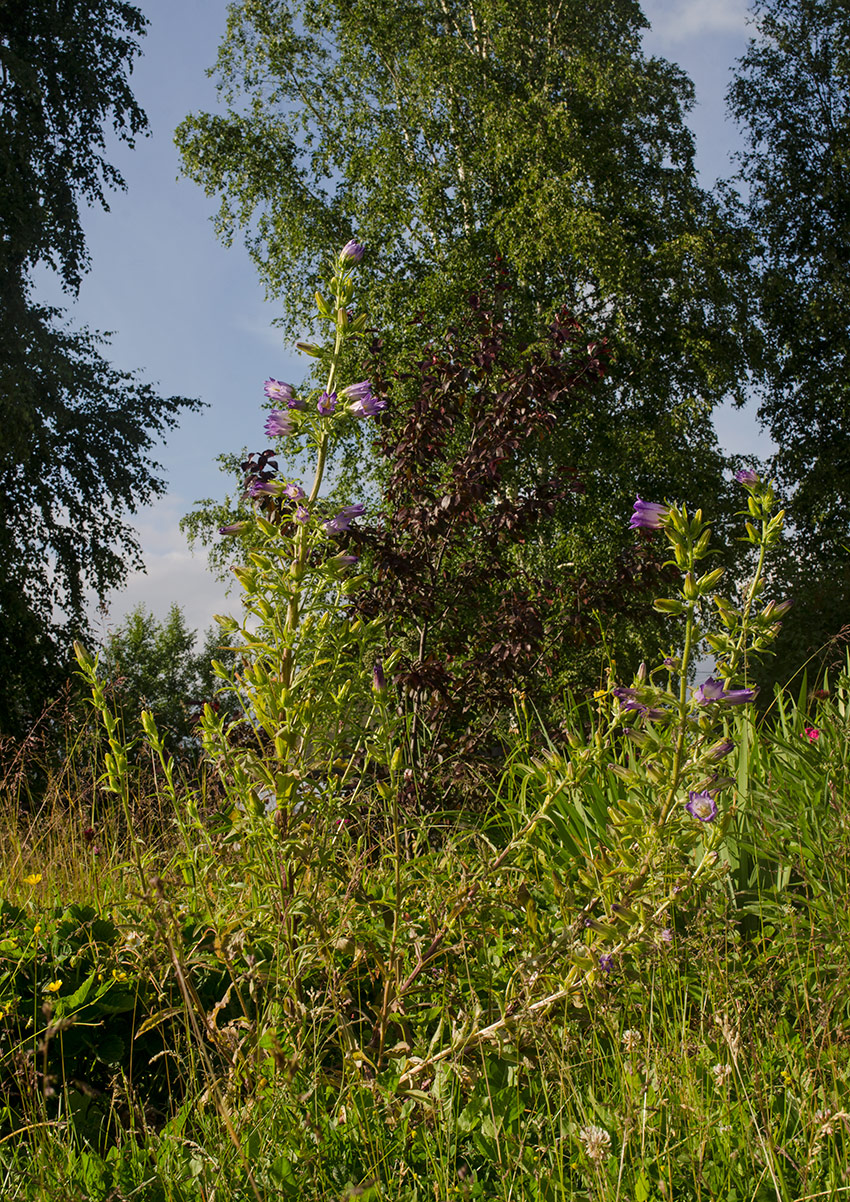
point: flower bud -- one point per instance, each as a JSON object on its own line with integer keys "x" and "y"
{"x": 351, "y": 252}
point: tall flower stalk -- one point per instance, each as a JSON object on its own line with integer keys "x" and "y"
{"x": 297, "y": 579}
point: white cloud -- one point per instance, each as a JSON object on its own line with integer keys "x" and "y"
{"x": 173, "y": 575}
{"x": 675, "y": 21}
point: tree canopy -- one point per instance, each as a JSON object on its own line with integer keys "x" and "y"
{"x": 76, "y": 434}
{"x": 791, "y": 95}
{"x": 446, "y": 134}
{"x": 157, "y": 665}
{"x": 535, "y": 135}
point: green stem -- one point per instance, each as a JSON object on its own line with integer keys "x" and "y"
{"x": 676, "y": 771}
{"x": 741, "y": 647}
{"x": 293, "y": 611}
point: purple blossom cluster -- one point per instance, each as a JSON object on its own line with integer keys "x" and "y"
{"x": 363, "y": 403}
{"x": 712, "y": 690}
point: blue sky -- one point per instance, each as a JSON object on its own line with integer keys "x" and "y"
{"x": 190, "y": 315}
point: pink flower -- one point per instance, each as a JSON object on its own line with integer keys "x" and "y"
{"x": 811, "y": 733}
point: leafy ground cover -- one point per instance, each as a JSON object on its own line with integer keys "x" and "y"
{"x": 207, "y": 1018}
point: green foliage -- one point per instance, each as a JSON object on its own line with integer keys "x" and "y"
{"x": 445, "y": 135}
{"x": 479, "y": 561}
{"x": 791, "y": 96}
{"x": 536, "y": 143}
{"x": 74, "y": 464}
{"x": 450, "y": 137}
{"x": 715, "y": 1062}
{"x": 156, "y": 666}
{"x": 76, "y": 434}
{"x": 64, "y": 76}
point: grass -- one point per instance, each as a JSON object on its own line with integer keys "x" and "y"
{"x": 247, "y": 1011}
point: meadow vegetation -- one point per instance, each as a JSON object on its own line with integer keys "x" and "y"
{"x": 607, "y": 960}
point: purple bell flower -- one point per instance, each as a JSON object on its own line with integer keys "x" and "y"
{"x": 354, "y": 392}
{"x": 326, "y": 404}
{"x": 278, "y": 424}
{"x": 720, "y": 750}
{"x": 747, "y": 477}
{"x": 276, "y": 390}
{"x": 344, "y": 518}
{"x": 648, "y": 515}
{"x": 702, "y": 806}
{"x": 265, "y": 488}
{"x": 710, "y": 690}
{"x": 367, "y": 406}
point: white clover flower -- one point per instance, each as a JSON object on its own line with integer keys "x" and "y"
{"x": 721, "y": 1073}
{"x": 632, "y": 1040}
{"x": 597, "y": 1142}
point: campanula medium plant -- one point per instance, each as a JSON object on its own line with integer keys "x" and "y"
{"x": 635, "y": 816}
{"x": 306, "y": 676}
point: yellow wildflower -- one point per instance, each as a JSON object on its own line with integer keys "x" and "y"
{"x": 54, "y": 986}
{"x": 32, "y": 879}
